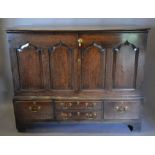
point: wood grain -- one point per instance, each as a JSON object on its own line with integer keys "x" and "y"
{"x": 124, "y": 68}
{"x": 61, "y": 68}
{"x": 54, "y": 69}
{"x": 30, "y": 69}
{"x": 93, "y": 69}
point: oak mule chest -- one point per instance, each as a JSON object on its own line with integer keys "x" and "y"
{"x": 77, "y": 75}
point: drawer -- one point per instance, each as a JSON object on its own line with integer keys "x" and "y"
{"x": 33, "y": 110}
{"x": 78, "y": 115}
{"x": 79, "y": 105}
{"x": 121, "y": 109}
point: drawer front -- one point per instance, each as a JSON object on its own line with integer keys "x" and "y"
{"x": 79, "y": 116}
{"x": 121, "y": 109}
{"x": 33, "y": 110}
{"x": 84, "y": 105}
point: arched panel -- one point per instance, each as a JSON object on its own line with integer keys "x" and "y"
{"x": 125, "y": 63}
{"x": 61, "y": 66}
{"x": 93, "y": 67}
{"x": 30, "y": 66}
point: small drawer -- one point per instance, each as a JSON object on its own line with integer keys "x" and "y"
{"x": 121, "y": 109}
{"x": 78, "y": 115}
{"x": 33, "y": 110}
{"x": 79, "y": 105}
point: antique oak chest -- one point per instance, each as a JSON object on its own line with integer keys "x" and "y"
{"x": 77, "y": 75}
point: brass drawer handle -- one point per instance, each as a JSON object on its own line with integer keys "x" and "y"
{"x": 121, "y": 108}
{"x": 62, "y": 104}
{"x": 86, "y": 104}
{"x": 70, "y": 105}
{"x": 67, "y": 105}
{"x": 66, "y": 115}
{"x": 91, "y": 115}
{"x": 90, "y": 104}
{"x": 78, "y": 114}
{"x": 34, "y": 108}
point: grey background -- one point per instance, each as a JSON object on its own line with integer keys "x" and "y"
{"x": 7, "y": 126}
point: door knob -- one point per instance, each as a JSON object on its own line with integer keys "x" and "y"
{"x": 80, "y": 41}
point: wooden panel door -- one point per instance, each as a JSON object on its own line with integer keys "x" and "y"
{"x": 61, "y": 62}
{"x": 93, "y": 64}
{"x": 125, "y": 63}
{"x": 29, "y": 66}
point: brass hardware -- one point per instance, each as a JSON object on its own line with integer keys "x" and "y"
{"x": 79, "y": 60}
{"x": 91, "y": 104}
{"x": 87, "y": 114}
{"x": 91, "y": 115}
{"x": 78, "y": 113}
{"x": 34, "y": 108}
{"x": 80, "y": 41}
{"x": 66, "y": 115}
{"x": 66, "y": 105}
{"x": 70, "y": 104}
{"x": 62, "y": 104}
{"x": 86, "y": 104}
{"x": 121, "y": 108}
{"x": 95, "y": 114}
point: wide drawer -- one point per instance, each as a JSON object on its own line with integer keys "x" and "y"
{"x": 33, "y": 110}
{"x": 84, "y": 105}
{"x": 121, "y": 109}
{"x": 79, "y": 115}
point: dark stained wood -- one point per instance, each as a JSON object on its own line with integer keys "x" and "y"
{"x": 88, "y": 94}
{"x": 140, "y": 70}
{"x": 93, "y": 61}
{"x": 15, "y": 69}
{"x": 77, "y": 75}
{"x": 111, "y": 40}
{"x": 33, "y": 110}
{"x": 79, "y": 116}
{"x": 122, "y": 109}
{"x": 124, "y": 66}
{"x": 61, "y": 66}
{"x": 77, "y": 69}
{"x": 82, "y": 105}
{"x": 93, "y": 67}
{"x": 109, "y": 64}
{"x": 46, "y": 69}
{"x": 38, "y": 61}
{"x": 30, "y": 69}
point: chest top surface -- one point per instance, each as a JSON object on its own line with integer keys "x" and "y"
{"x": 49, "y": 28}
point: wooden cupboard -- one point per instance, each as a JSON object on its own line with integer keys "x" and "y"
{"x": 77, "y": 74}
